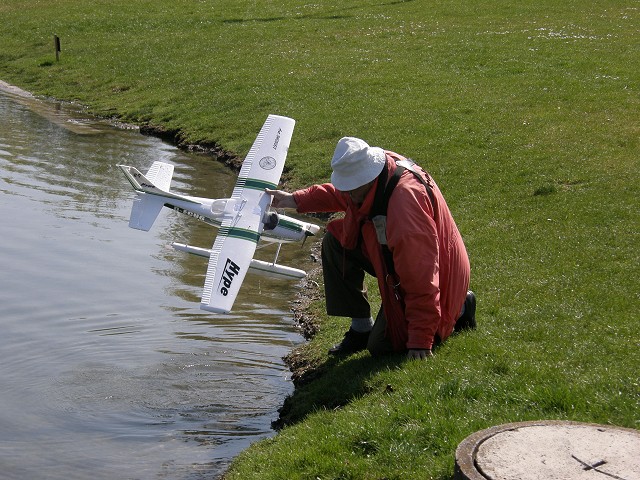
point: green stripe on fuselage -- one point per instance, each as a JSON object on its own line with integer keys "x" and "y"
{"x": 241, "y": 233}
{"x": 289, "y": 225}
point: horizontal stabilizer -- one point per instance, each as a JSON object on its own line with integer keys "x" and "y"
{"x": 144, "y": 211}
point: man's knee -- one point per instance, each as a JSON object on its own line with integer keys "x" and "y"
{"x": 379, "y": 344}
{"x": 379, "y": 349}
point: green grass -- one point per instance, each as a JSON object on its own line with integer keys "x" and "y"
{"x": 526, "y": 113}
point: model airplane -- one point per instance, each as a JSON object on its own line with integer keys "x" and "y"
{"x": 243, "y": 220}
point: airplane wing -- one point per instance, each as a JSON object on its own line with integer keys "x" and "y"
{"x": 242, "y": 223}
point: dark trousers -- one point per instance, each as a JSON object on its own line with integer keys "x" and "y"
{"x": 346, "y": 292}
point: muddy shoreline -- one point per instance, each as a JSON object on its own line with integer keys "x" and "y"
{"x": 176, "y": 137}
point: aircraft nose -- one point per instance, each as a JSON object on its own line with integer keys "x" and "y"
{"x": 312, "y": 230}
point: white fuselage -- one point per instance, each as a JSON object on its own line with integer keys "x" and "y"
{"x": 277, "y": 227}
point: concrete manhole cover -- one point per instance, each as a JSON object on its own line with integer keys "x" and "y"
{"x": 550, "y": 450}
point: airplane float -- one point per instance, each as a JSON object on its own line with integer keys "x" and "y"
{"x": 243, "y": 220}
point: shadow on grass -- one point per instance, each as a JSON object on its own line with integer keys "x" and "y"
{"x": 313, "y": 16}
{"x": 333, "y": 384}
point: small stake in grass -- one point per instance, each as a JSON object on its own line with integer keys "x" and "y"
{"x": 56, "y": 44}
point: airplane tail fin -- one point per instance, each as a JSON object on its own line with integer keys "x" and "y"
{"x": 157, "y": 180}
{"x": 150, "y": 189}
{"x": 160, "y": 175}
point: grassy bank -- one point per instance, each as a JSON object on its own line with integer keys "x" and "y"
{"x": 526, "y": 113}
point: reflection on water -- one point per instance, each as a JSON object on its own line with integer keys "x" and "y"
{"x": 109, "y": 369}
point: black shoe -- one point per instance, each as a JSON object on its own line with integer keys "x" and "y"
{"x": 351, "y": 343}
{"x": 468, "y": 319}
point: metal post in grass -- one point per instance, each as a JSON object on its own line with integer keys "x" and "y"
{"x": 56, "y": 45}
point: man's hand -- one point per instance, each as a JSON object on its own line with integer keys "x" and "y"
{"x": 281, "y": 199}
{"x": 419, "y": 354}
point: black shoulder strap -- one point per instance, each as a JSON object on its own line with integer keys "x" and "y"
{"x": 382, "y": 196}
{"x": 383, "y": 191}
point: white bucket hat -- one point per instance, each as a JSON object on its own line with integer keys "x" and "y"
{"x": 355, "y": 163}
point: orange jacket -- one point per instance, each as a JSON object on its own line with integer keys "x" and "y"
{"x": 430, "y": 259}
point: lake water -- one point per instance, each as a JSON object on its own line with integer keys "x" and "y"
{"x": 109, "y": 368}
